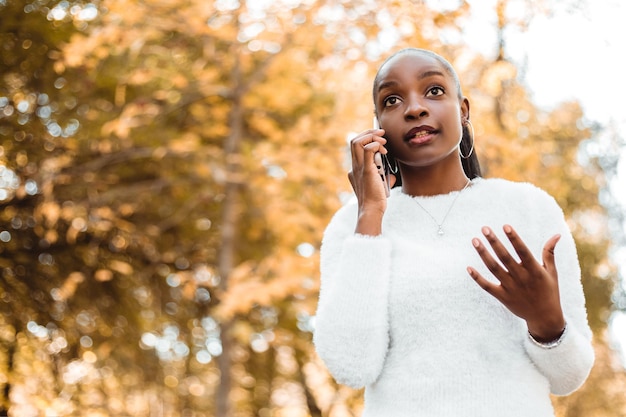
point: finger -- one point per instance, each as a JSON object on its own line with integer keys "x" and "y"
{"x": 368, "y": 136}
{"x": 491, "y": 264}
{"x": 500, "y": 250}
{"x": 378, "y": 160}
{"x": 548, "y": 255}
{"x": 525, "y": 255}
{"x": 372, "y": 154}
{"x": 360, "y": 143}
{"x": 490, "y": 287}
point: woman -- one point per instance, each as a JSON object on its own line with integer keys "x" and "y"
{"x": 398, "y": 312}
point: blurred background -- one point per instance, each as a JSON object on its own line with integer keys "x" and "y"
{"x": 167, "y": 169}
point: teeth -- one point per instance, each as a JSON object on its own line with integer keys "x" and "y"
{"x": 421, "y": 133}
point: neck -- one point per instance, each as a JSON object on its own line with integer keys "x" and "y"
{"x": 428, "y": 181}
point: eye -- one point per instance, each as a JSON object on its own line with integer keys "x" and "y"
{"x": 435, "y": 91}
{"x": 391, "y": 101}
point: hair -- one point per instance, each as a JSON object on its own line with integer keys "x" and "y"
{"x": 471, "y": 166}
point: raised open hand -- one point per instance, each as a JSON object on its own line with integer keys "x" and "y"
{"x": 527, "y": 288}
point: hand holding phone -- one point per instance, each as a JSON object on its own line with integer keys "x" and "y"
{"x": 379, "y": 160}
{"x": 382, "y": 171}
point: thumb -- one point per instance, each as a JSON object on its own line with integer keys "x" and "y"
{"x": 351, "y": 178}
{"x": 548, "y": 255}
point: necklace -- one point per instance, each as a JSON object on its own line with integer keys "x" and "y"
{"x": 440, "y": 231}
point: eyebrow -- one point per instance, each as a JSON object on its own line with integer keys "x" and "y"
{"x": 426, "y": 74}
{"x": 430, "y": 74}
{"x": 387, "y": 84}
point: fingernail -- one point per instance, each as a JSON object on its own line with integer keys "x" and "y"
{"x": 486, "y": 231}
{"x": 507, "y": 228}
{"x": 476, "y": 242}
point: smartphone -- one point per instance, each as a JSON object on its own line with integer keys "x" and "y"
{"x": 380, "y": 160}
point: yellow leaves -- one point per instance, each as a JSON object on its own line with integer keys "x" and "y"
{"x": 133, "y": 115}
{"x": 285, "y": 88}
{"x": 103, "y": 275}
{"x": 7, "y": 333}
{"x": 67, "y": 290}
{"x": 49, "y": 212}
{"x": 280, "y": 275}
{"x": 242, "y": 297}
{"x": 496, "y": 75}
{"x": 51, "y": 236}
{"x": 104, "y": 214}
{"x": 264, "y": 125}
{"x": 55, "y": 164}
{"x": 185, "y": 143}
{"x": 72, "y": 234}
{"x": 121, "y": 267}
{"x": 140, "y": 76}
{"x": 89, "y": 50}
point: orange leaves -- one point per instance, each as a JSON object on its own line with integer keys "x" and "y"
{"x": 496, "y": 76}
{"x": 121, "y": 267}
{"x": 49, "y": 213}
{"x": 135, "y": 203}
{"x": 186, "y": 143}
{"x": 67, "y": 290}
{"x": 103, "y": 275}
{"x": 133, "y": 115}
{"x": 279, "y": 276}
{"x": 114, "y": 265}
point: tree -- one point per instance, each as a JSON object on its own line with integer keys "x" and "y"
{"x": 168, "y": 170}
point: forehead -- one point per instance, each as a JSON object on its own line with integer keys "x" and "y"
{"x": 411, "y": 64}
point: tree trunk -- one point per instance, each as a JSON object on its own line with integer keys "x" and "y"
{"x": 229, "y": 226}
{"x": 6, "y": 390}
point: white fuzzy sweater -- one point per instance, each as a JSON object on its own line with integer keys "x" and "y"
{"x": 400, "y": 315}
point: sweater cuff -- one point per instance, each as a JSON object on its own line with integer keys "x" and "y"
{"x": 552, "y": 344}
{"x": 565, "y": 364}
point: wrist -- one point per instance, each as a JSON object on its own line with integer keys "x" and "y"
{"x": 547, "y": 332}
{"x": 549, "y": 344}
{"x": 369, "y": 222}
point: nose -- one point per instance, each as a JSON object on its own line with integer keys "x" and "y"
{"x": 415, "y": 108}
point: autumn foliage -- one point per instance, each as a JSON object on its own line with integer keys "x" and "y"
{"x": 167, "y": 169}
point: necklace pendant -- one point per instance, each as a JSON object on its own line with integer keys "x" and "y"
{"x": 440, "y": 231}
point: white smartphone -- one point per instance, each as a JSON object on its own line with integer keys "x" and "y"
{"x": 379, "y": 160}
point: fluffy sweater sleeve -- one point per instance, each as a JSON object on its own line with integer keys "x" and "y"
{"x": 566, "y": 366}
{"x": 351, "y": 331}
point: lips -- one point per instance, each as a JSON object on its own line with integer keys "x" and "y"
{"x": 420, "y": 134}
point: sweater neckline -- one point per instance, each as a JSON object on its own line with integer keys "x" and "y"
{"x": 444, "y": 196}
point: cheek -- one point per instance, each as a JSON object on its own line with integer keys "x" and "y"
{"x": 456, "y": 123}
{"x": 395, "y": 147}
{"x": 387, "y": 123}
{"x": 393, "y": 136}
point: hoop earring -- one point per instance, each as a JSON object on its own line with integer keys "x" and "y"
{"x": 472, "y": 137}
{"x": 393, "y": 170}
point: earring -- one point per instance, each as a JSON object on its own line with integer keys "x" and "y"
{"x": 468, "y": 123}
{"x": 393, "y": 170}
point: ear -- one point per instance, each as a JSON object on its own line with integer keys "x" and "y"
{"x": 465, "y": 110}
{"x": 392, "y": 180}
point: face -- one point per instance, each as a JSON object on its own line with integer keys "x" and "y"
{"x": 418, "y": 105}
